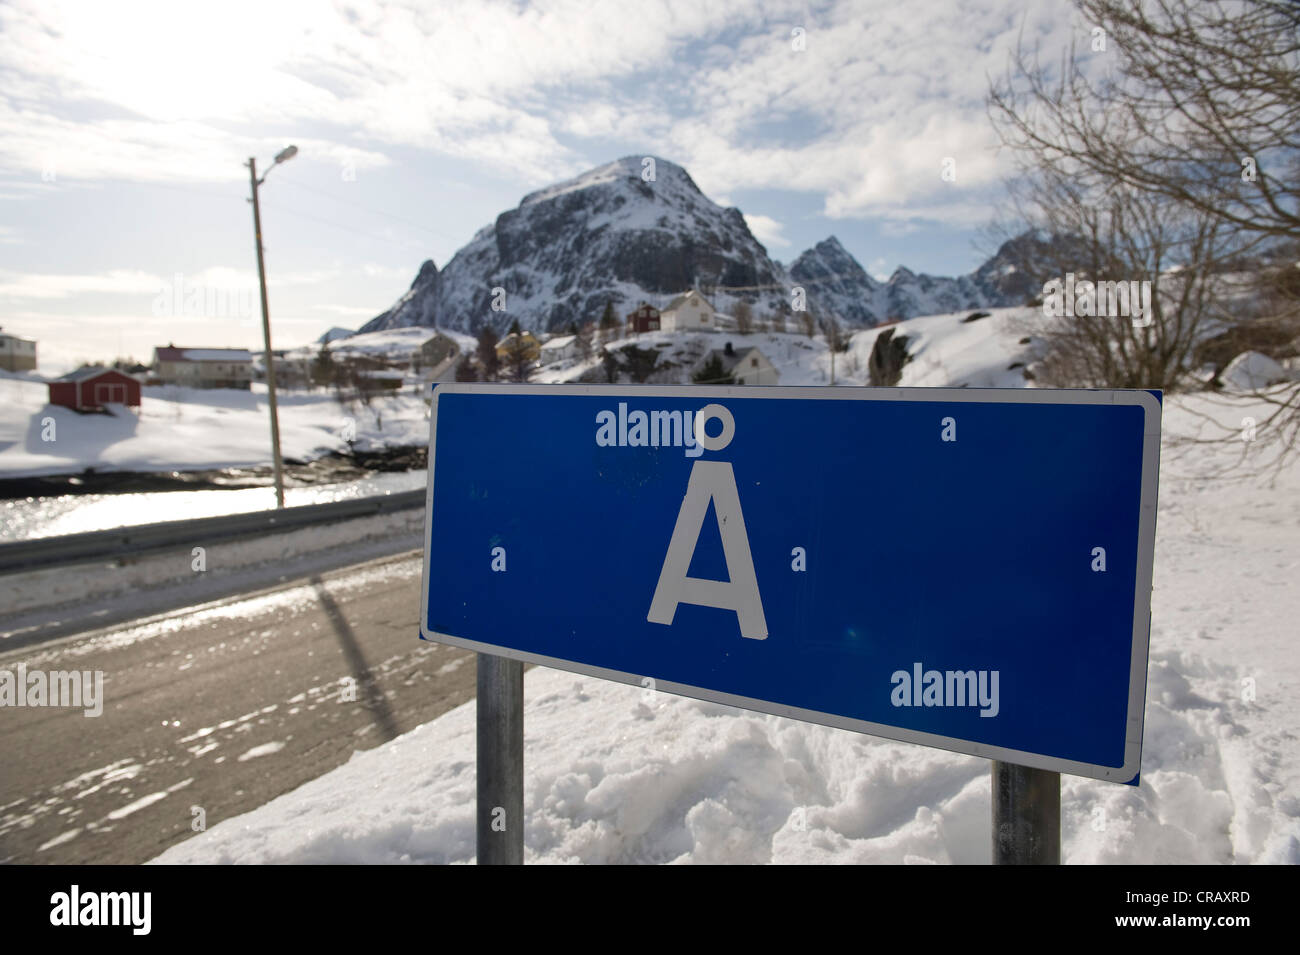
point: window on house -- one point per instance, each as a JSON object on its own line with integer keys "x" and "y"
{"x": 753, "y": 362}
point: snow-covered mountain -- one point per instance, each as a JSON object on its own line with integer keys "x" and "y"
{"x": 333, "y": 334}
{"x": 837, "y": 285}
{"x": 611, "y": 235}
{"x": 606, "y": 235}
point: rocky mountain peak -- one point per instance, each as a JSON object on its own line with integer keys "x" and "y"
{"x": 614, "y": 234}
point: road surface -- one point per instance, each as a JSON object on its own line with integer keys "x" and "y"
{"x": 218, "y": 709}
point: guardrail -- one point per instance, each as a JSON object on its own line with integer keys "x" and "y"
{"x": 141, "y": 539}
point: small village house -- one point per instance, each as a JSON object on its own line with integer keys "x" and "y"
{"x": 203, "y": 367}
{"x": 532, "y": 348}
{"x": 293, "y": 368}
{"x": 748, "y": 366}
{"x": 645, "y": 318}
{"x": 375, "y": 380}
{"x": 560, "y": 348}
{"x": 92, "y": 389}
{"x": 689, "y": 312}
{"x": 17, "y": 354}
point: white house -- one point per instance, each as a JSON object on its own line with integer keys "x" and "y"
{"x": 17, "y": 354}
{"x": 203, "y": 367}
{"x": 748, "y": 366}
{"x": 690, "y": 312}
{"x": 560, "y": 348}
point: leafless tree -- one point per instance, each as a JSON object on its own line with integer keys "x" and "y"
{"x": 1118, "y": 238}
{"x": 520, "y": 353}
{"x": 744, "y": 313}
{"x": 808, "y": 322}
{"x": 1182, "y": 133}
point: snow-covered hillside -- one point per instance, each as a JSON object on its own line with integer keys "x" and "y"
{"x": 950, "y": 350}
{"x": 945, "y": 350}
{"x": 393, "y": 344}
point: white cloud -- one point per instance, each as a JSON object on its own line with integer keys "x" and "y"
{"x": 30, "y": 285}
{"x": 48, "y": 286}
{"x": 862, "y": 116}
{"x": 767, "y": 230}
{"x": 348, "y": 311}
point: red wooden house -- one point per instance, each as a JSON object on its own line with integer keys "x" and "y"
{"x": 644, "y": 319}
{"x": 89, "y": 389}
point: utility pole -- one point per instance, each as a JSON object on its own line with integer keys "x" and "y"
{"x": 284, "y": 154}
{"x": 830, "y": 343}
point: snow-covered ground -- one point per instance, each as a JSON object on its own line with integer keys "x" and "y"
{"x": 621, "y": 774}
{"x": 26, "y": 518}
{"x": 189, "y": 429}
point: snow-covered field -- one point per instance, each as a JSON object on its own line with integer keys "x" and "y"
{"x": 190, "y": 429}
{"x": 621, "y": 774}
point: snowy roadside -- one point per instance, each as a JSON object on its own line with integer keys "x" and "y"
{"x": 620, "y": 774}
{"x": 41, "y": 604}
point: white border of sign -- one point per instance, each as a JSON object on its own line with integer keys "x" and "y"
{"x": 706, "y": 393}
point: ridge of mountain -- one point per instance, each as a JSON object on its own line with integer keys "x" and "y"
{"x": 639, "y": 229}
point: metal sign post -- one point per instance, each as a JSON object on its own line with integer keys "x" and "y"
{"x": 500, "y": 829}
{"x": 1026, "y": 815}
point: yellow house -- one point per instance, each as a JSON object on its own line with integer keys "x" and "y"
{"x": 532, "y": 348}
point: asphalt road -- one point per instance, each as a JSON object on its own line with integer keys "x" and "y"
{"x": 222, "y": 707}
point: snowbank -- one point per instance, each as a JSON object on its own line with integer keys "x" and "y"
{"x": 1253, "y": 371}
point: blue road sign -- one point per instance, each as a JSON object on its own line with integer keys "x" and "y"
{"x": 962, "y": 568}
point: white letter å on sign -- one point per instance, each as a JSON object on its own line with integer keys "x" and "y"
{"x": 710, "y": 481}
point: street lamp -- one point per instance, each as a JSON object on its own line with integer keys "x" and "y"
{"x": 282, "y": 156}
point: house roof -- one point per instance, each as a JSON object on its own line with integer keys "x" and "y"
{"x": 172, "y": 353}
{"x": 677, "y": 302}
{"x": 557, "y": 343}
{"x": 88, "y": 371}
{"x": 526, "y": 337}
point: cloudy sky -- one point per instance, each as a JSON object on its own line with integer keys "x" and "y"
{"x": 125, "y": 127}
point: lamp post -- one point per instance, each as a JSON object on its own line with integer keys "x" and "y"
{"x": 282, "y": 156}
